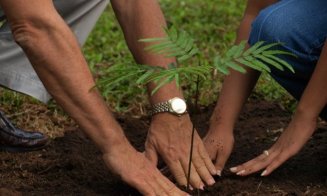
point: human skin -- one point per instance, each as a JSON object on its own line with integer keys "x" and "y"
{"x": 236, "y": 89}
{"x": 56, "y": 57}
{"x": 169, "y": 135}
{"x": 299, "y": 130}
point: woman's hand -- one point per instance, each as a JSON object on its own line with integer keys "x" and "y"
{"x": 219, "y": 143}
{"x": 289, "y": 143}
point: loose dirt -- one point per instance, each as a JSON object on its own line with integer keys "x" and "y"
{"x": 71, "y": 165}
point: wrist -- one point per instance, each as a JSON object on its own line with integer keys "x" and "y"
{"x": 168, "y": 117}
{"x": 175, "y": 106}
{"x": 217, "y": 123}
{"x": 305, "y": 114}
{"x": 165, "y": 93}
{"x": 221, "y": 127}
{"x": 112, "y": 141}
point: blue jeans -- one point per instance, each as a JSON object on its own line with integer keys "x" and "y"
{"x": 302, "y": 26}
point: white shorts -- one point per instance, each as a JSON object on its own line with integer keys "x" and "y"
{"x": 16, "y": 72}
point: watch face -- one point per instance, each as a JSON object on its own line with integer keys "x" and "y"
{"x": 178, "y": 105}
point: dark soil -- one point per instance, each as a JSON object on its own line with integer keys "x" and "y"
{"x": 71, "y": 165}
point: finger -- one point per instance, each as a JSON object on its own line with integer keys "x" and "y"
{"x": 207, "y": 160}
{"x": 151, "y": 154}
{"x": 222, "y": 157}
{"x": 253, "y": 165}
{"x": 168, "y": 187}
{"x": 142, "y": 186}
{"x": 202, "y": 170}
{"x": 178, "y": 172}
{"x": 275, "y": 164}
{"x": 195, "y": 179}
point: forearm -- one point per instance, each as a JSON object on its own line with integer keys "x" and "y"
{"x": 237, "y": 86}
{"x": 56, "y": 57}
{"x": 314, "y": 98}
{"x": 144, "y": 19}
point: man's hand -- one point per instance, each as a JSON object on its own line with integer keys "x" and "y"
{"x": 219, "y": 143}
{"x": 170, "y": 136}
{"x": 290, "y": 143}
{"x": 137, "y": 171}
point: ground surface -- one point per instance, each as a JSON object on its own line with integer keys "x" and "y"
{"x": 71, "y": 165}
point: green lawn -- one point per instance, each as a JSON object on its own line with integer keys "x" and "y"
{"x": 212, "y": 23}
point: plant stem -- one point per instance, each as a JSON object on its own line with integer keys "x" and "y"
{"x": 193, "y": 131}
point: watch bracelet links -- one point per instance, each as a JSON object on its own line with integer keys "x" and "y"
{"x": 159, "y": 107}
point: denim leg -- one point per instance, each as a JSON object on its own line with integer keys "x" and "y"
{"x": 302, "y": 26}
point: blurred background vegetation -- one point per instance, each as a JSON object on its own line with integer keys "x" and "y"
{"x": 213, "y": 25}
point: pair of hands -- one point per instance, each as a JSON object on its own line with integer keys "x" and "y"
{"x": 169, "y": 136}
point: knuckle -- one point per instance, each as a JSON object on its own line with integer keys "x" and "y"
{"x": 198, "y": 160}
{"x": 201, "y": 168}
{"x": 179, "y": 176}
{"x": 171, "y": 190}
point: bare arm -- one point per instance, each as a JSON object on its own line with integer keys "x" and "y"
{"x": 236, "y": 89}
{"x": 169, "y": 135}
{"x": 300, "y": 129}
{"x": 56, "y": 57}
{"x": 144, "y": 19}
{"x": 237, "y": 86}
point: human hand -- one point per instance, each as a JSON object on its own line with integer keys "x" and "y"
{"x": 289, "y": 143}
{"x": 219, "y": 143}
{"x": 170, "y": 136}
{"x": 139, "y": 172}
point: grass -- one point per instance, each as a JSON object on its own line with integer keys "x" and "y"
{"x": 212, "y": 23}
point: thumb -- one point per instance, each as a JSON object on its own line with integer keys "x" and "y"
{"x": 151, "y": 154}
{"x": 221, "y": 160}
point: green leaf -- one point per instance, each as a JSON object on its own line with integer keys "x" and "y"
{"x": 193, "y": 52}
{"x": 278, "y": 52}
{"x": 235, "y": 66}
{"x": 177, "y": 79}
{"x": 162, "y": 83}
{"x": 155, "y": 39}
{"x": 265, "y": 47}
{"x": 271, "y": 62}
{"x": 262, "y": 65}
{"x": 240, "y": 49}
{"x": 172, "y": 33}
{"x": 230, "y": 53}
{"x": 146, "y": 75}
{"x": 223, "y": 69}
{"x": 258, "y": 63}
{"x": 249, "y": 64}
{"x": 253, "y": 48}
{"x": 158, "y": 47}
{"x": 281, "y": 61}
{"x": 172, "y": 66}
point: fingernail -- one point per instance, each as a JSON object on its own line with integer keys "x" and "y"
{"x": 233, "y": 169}
{"x": 240, "y": 172}
{"x": 218, "y": 172}
{"x": 211, "y": 181}
{"x": 264, "y": 173}
{"x": 202, "y": 187}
